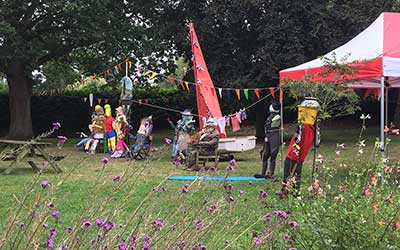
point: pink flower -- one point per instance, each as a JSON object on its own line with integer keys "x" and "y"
{"x": 396, "y": 131}
{"x": 158, "y": 224}
{"x": 230, "y": 169}
{"x": 105, "y": 160}
{"x": 87, "y": 224}
{"x": 168, "y": 141}
{"x": 164, "y": 188}
{"x": 230, "y": 198}
{"x": 185, "y": 188}
{"x": 293, "y": 224}
{"x": 232, "y": 162}
{"x": 177, "y": 163}
{"x": 241, "y": 192}
{"x": 56, "y": 125}
{"x": 228, "y": 186}
{"x": 117, "y": 178}
{"x": 50, "y": 204}
{"x": 386, "y": 129}
{"x": 62, "y": 139}
{"x": 375, "y": 207}
{"x": 262, "y": 194}
{"x": 257, "y": 241}
{"x": 100, "y": 221}
{"x": 45, "y": 184}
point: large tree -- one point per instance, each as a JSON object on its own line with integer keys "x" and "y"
{"x": 89, "y": 32}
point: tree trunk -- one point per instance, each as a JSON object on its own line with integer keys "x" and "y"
{"x": 20, "y": 91}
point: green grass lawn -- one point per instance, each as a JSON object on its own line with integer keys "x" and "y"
{"x": 84, "y": 175}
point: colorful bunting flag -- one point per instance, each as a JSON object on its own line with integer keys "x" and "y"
{"x": 228, "y": 94}
{"x": 85, "y": 99}
{"x": 187, "y": 86}
{"x": 272, "y": 91}
{"x": 220, "y": 92}
{"x": 367, "y": 92}
{"x": 257, "y": 93}
{"x": 181, "y": 84}
{"x": 238, "y": 93}
{"x": 246, "y": 93}
{"x": 129, "y": 64}
{"x": 98, "y": 100}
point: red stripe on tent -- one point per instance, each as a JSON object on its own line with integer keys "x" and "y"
{"x": 362, "y": 70}
{"x": 391, "y": 35}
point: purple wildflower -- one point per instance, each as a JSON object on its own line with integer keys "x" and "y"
{"x": 177, "y": 163}
{"x": 268, "y": 218}
{"x": 280, "y": 214}
{"x": 100, "y": 237}
{"x": 185, "y": 188}
{"x": 230, "y": 198}
{"x": 226, "y": 241}
{"x": 262, "y": 194}
{"x": 285, "y": 236}
{"x": 181, "y": 244}
{"x": 105, "y": 160}
{"x": 122, "y": 245}
{"x": 158, "y": 224}
{"x": 87, "y": 224}
{"x": 199, "y": 224}
{"x": 168, "y": 141}
{"x": 100, "y": 222}
{"x": 293, "y": 224}
{"x": 241, "y": 192}
{"x": 257, "y": 241}
{"x": 292, "y": 248}
{"x": 164, "y": 188}
{"x": 228, "y": 186}
{"x": 230, "y": 169}
{"x": 62, "y": 139}
{"x": 55, "y": 214}
{"x": 146, "y": 245}
{"x": 116, "y": 178}
{"x": 45, "y": 225}
{"x": 45, "y": 184}
{"x": 56, "y": 125}
{"x": 50, "y": 204}
{"x": 92, "y": 241}
{"x": 212, "y": 208}
{"x": 213, "y": 168}
{"x": 43, "y": 163}
{"x": 108, "y": 226}
{"x": 70, "y": 230}
{"x": 232, "y": 162}
{"x": 154, "y": 190}
{"x": 146, "y": 238}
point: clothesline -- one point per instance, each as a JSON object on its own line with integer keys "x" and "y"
{"x": 179, "y": 111}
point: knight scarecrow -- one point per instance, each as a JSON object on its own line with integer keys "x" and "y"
{"x": 272, "y": 141}
{"x": 307, "y": 134}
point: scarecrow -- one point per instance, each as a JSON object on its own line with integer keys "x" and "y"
{"x": 307, "y": 134}
{"x": 110, "y": 135}
{"x": 97, "y": 129}
{"x": 272, "y": 141}
{"x": 183, "y": 128}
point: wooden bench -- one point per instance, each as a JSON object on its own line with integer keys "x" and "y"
{"x": 18, "y": 151}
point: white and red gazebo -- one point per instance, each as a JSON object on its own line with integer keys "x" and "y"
{"x": 374, "y": 55}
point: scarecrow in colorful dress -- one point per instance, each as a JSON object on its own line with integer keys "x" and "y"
{"x": 97, "y": 129}
{"x": 109, "y": 135}
{"x": 307, "y": 134}
{"x": 183, "y": 128}
{"x": 120, "y": 126}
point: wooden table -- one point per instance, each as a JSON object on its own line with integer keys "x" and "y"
{"x": 17, "y": 151}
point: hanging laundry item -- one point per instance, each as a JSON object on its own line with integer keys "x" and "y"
{"x": 243, "y": 115}
{"x": 221, "y": 124}
{"x": 235, "y": 123}
{"x": 238, "y": 116}
{"x": 227, "y": 121}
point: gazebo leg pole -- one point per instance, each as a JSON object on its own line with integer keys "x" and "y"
{"x": 382, "y": 122}
{"x": 281, "y": 101}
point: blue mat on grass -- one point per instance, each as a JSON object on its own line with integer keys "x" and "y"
{"x": 215, "y": 178}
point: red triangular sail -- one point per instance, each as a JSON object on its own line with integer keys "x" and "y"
{"x": 207, "y": 103}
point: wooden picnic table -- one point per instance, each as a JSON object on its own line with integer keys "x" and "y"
{"x": 17, "y": 151}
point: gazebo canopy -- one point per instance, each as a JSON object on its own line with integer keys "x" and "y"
{"x": 372, "y": 54}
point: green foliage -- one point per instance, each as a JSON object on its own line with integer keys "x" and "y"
{"x": 58, "y": 75}
{"x": 335, "y": 101}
